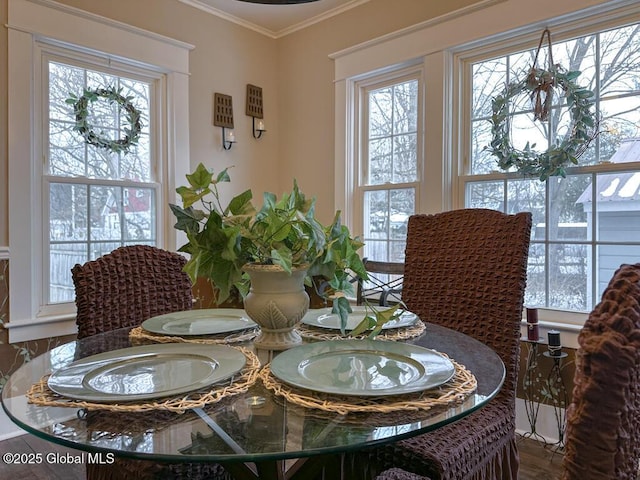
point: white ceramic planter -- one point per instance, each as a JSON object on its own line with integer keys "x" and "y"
{"x": 277, "y": 301}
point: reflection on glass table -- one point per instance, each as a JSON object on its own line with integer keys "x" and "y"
{"x": 255, "y": 434}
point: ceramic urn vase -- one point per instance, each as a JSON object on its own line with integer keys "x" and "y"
{"x": 277, "y": 301}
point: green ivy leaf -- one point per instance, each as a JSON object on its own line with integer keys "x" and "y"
{"x": 223, "y": 176}
{"x": 201, "y": 178}
{"x": 342, "y": 307}
{"x": 241, "y": 204}
{"x": 283, "y": 258}
{"x": 367, "y": 323}
{"x": 188, "y": 220}
{"x": 190, "y": 196}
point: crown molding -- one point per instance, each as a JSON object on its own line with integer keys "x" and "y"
{"x": 482, "y": 4}
{"x": 319, "y": 18}
{"x": 268, "y": 32}
{"x": 110, "y": 22}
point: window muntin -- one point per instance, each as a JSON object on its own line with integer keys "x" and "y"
{"x": 97, "y": 200}
{"x": 594, "y": 213}
{"x": 389, "y": 172}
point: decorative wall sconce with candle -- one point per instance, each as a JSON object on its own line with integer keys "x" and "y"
{"x": 254, "y": 110}
{"x": 223, "y": 117}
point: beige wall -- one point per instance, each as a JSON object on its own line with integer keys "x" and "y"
{"x": 226, "y": 57}
{"x": 306, "y": 79}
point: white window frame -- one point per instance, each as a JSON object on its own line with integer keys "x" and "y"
{"x": 440, "y": 44}
{"x": 563, "y": 30}
{"x": 362, "y": 87}
{"x": 54, "y": 53}
{"x": 430, "y": 191}
{"x": 30, "y": 24}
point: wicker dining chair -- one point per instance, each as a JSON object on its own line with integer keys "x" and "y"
{"x": 384, "y": 285}
{"x": 122, "y": 289}
{"x": 466, "y": 270}
{"x": 602, "y": 437}
{"x": 127, "y": 286}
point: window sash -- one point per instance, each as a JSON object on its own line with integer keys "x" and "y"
{"x": 31, "y": 28}
{"x": 363, "y": 186}
{"x": 465, "y": 179}
{"x": 90, "y": 64}
{"x": 90, "y": 241}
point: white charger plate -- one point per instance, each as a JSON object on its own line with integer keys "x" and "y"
{"x": 146, "y": 372}
{"x": 362, "y": 367}
{"x": 209, "y": 321}
{"x": 323, "y": 318}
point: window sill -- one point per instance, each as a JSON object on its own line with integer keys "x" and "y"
{"x": 568, "y": 331}
{"x": 45, "y": 327}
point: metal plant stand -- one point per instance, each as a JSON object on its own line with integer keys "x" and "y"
{"x": 539, "y": 389}
{"x": 532, "y": 383}
{"x": 556, "y": 391}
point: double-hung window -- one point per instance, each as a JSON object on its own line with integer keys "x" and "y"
{"x": 584, "y": 225}
{"x": 388, "y": 162}
{"x": 97, "y": 199}
{"x": 71, "y": 201}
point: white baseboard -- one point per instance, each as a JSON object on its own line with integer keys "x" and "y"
{"x": 8, "y": 429}
{"x": 546, "y": 426}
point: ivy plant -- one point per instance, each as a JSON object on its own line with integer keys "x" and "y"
{"x": 284, "y": 232}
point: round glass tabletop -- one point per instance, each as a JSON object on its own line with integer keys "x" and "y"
{"x": 255, "y": 426}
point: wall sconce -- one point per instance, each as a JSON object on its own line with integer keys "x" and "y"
{"x": 254, "y": 110}
{"x": 228, "y": 138}
{"x": 223, "y": 117}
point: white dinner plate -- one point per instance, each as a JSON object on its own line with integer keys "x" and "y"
{"x": 200, "y": 322}
{"x": 362, "y": 367}
{"x": 323, "y": 318}
{"x": 146, "y": 372}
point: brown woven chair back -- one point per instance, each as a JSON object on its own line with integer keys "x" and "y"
{"x": 466, "y": 270}
{"x": 127, "y": 286}
{"x": 603, "y": 420}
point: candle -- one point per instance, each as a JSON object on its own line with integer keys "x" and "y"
{"x": 231, "y": 137}
{"x": 260, "y": 126}
{"x": 555, "y": 347}
{"x": 533, "y": 333}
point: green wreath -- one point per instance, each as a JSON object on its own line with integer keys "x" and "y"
{"x": 81, "y": 112}
{"x": 559, "y": 155}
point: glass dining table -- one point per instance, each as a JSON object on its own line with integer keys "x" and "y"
{"x": 253, "y": 434}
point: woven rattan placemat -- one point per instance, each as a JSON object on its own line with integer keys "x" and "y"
{"x": 139, "y": 335}
{"x": 40, "y": 394}
{"x": 395, "y": 334}
{"x": 455, "y": 391}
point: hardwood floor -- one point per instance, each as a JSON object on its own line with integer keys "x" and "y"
{"x": 536, "y": 461}
{"x": 49, "y": 468}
